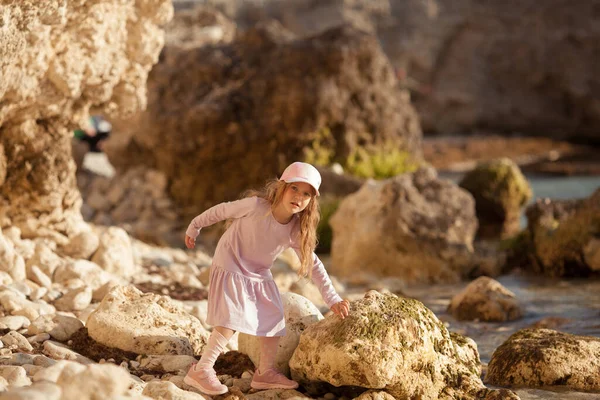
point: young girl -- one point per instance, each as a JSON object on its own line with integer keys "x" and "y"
{"x": 243, "y": 295}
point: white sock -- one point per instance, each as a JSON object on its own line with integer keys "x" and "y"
{"x": 268, "y": 352}
{"x": 215, "y": 346}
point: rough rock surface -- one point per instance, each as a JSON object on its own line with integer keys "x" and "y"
{"x": 500, "y": 191}
{"x": 544, "y": 357}
{"x": 565, "y": 236}
{"x": 299, "y": 314}
{"x": 524, "y": 66}
{"x": 57, "y": 60}
{"x": 389, "y": 343}
{"x": 145, "y": 324}
{"x": 414, "y": 226}
{"x": 215, "y": 111}
{"x": 485, "y": 299}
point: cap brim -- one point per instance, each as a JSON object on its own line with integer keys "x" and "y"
{"x": 293, "y": 180}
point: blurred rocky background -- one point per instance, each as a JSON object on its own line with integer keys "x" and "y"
{"x": 458, "y": 143}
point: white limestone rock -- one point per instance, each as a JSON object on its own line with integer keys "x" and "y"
{"x": 145, "y": 324}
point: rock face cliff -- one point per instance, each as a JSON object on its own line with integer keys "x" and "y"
{"x": 524, "y": 66}
{"x": 59, "y": 59}
{"x": 244, "y": 110}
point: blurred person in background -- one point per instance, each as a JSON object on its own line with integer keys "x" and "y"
{"x": 94, "y": 131}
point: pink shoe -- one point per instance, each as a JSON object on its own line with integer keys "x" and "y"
{"x": 272, "y": 379}
{"x": 205, "y": 380}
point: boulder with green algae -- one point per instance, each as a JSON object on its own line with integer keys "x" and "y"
{"x": 500, "y": 191}
{"x": 565, "y": 236}
{"x": 544, "y": 357}
{"x": 388, "y": 343}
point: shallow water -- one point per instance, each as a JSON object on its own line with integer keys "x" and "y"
{"x": 576, "y": 300}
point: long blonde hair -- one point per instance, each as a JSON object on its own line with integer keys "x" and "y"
{"x": 308, "y": 220}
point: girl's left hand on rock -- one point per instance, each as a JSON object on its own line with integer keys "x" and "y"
{"x": 341, "y": 309}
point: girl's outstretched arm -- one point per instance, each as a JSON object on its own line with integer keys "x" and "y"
{"x": 220, "y": 212}
{"x": 321, "y": 279}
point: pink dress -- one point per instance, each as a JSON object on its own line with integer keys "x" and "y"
{"x": 243, "y": 295}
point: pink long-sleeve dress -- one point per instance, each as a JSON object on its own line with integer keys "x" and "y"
{"x": 243, "y": 295}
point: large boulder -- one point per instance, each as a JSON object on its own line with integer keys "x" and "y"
{"x": 544, "y": 357}
{"x": 226, "y": 117}
{"x": 500, "y": 191}
{"x": 147, "y": 323}
{"x": 58, "y": 59}
{"x": 414, "y": 226}
{"x": 525, "y": 66}
{"x": 564, "y": 236}
{"x": 390, "y": 343}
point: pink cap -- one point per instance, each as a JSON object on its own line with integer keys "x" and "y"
{"x": 302, "y": 172}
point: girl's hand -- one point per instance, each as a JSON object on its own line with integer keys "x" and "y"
{"x": 342, "y": 308}
{"x": 189, "y": 242}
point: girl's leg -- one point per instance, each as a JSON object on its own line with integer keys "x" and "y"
{"x": 266, "y": 376}
{"x": 268, "y": 353}
{"x": 202, "y": 375}
{"x": 216, "y": 344}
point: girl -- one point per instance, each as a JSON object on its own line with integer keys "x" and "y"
{"x": 243, "y": 295}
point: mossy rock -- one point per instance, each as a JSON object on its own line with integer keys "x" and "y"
{"x": 500, "y": 191}
{"x": 388, "y": 343}
{"x": 544, "y": 357}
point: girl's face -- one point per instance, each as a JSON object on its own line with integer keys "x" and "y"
{"x": 297, "y": 196}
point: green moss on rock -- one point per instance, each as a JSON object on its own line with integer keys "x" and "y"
{"x": 500, "y": 191}
{"x": 380, "y": 162}
{"x": 374, "y": 324}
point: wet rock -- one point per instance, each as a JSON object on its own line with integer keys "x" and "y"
{"x": 544, "y": 357}
{"x": 145, "y": 324}
{"x": 299, "y": 314}
{"x": 485, "y": 299}
{"x": 414, "y": 226}
{"x": 388, "y": 343}
{"x": 500, "y": 191}
{"x": 563, "y": 236}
